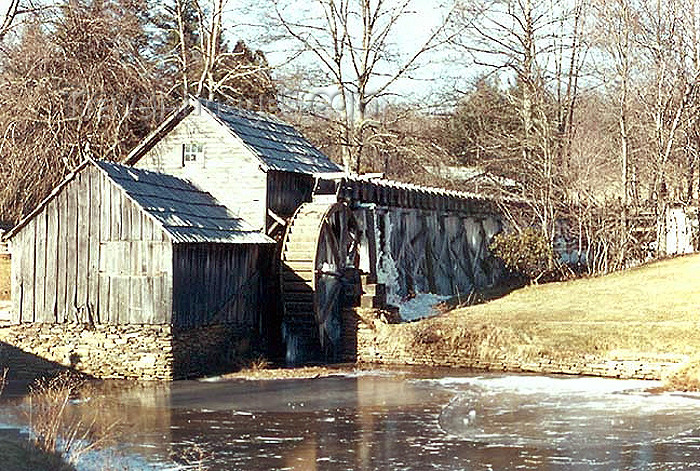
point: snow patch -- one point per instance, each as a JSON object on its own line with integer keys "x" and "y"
{"x": 421, "y": 306}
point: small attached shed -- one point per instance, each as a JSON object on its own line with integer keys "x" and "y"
{"x": 138, "y": 255}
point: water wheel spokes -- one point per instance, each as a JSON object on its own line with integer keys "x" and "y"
{"x": 319, "y": 278}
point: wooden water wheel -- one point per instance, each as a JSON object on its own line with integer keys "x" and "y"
{"x": 319, "y": 279}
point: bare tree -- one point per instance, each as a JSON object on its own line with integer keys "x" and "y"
{"x": 617, "y": 27}
{"x": 9, "y": 15}
{"x": 205, "y": 65}
{"x": 12, "y": 10}
{"x": 352, "y": 41}
{"x": 538, "y": 45}
{"x": 76, "y": 83}
{"x": 651, "y": 61}
{"x": 670, "y": 101}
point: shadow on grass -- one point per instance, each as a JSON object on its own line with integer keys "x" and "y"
{"x": 20, "y": 454}
{"x": 483, "y": 295}
{"x": 26, "y": 368}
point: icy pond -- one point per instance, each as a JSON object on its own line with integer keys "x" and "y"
{"x": 393, "y": 420}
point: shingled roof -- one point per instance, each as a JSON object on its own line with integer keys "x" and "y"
{"x": 186, "y": 213}
{"x": 275, "y": 143}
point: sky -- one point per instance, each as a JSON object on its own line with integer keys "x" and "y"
{"x": 435, "y": 72}
{"x": 249, "y": 20}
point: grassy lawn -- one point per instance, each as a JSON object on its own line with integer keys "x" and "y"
{"x": 660, "y": 292}
{"x": 5, "y": 288}
{"x": 651, "y": 310}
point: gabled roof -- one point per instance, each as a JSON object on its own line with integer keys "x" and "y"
{"x": 186, "y": 213}
{"x": 275, "y": 143}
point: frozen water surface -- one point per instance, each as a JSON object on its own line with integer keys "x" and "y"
{"x": 397, "y": 421}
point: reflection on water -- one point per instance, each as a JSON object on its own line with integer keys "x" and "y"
{"x": 398, "y": 421}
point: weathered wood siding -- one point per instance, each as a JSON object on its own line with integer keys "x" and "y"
{"x": 218, "y": 284}
{"x": 287, "y": 191}
{"x": 229, "y": 171}
{"x": 91, "y": 255}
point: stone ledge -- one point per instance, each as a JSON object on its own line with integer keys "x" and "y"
{"x": 142, "y": 352}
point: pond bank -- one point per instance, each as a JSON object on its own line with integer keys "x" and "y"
{"x": 640, "y": 323}
{"x": 437, "y": 342}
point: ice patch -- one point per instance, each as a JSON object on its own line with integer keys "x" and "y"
{"x": 523, "y": 384}
{"x": 536, "y": 410}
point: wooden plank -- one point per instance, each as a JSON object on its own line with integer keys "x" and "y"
{"x": 147, "y": 300}
{"x": 164, "y": 312}
{"x": 136, "y": 222}
{"x": 140, "y": 257}
{"x": 83, "y": 242}
{"x": 110, "y": 255}
{"x": 146, "y": 228}
{"x": 133, "y": 258}
{"x": 123, "y": 295}
{"x": 223, "y": 261}
{"x": 159, "y": 305}
{"x": 189, "y": 289}
{"x": 125, "y": 232}
{"x": 94, "y": 243}
{"x": 105, "y": 208}
{"x": 30, "y": 270}
{"x": 155, "y": 257}
{"x": 239, "y": 305}
{"x": 115, "y": 214}
{"x": 17, "y": 276}
{"x": 117, "y": 299}
{"x": 250, "y": 299}
{"x": 71, "y": 218}
{"x": 103, "y": 308}
{"x": 207, "y": 281}
{"x": 219, "y": 260}
{"x": 51, "y": 261}
{"x": 231, "y": 289}
{"x": 178, "y": 297}
{"x": 181, "y": 263}
{"x": 61, "y": 260}
{"x": 201, "y": 304}
{"x": 39, "y": 265}
{"x": 136, "y": 312}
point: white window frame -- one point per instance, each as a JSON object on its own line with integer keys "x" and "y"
{"x": 192, "y": 152}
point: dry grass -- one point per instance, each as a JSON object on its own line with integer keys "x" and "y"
{"x": 307, "y": 372}
{"x": 686, "y": 378}
{"x": 5, "y": 279}
{"x": 54, "y": 429}
{"x": 651, "y": 310}
{"x": 19, "y": 454}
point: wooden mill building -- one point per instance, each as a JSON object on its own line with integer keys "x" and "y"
{"x": 226, "y": 231}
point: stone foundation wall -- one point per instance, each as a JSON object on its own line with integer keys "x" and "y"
{"x": 209, "y": 350}
{"x": 144, "y": 352}
{"x": 376, "y": 342}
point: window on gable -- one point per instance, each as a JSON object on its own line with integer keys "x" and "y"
{"x": 192, "y": 152}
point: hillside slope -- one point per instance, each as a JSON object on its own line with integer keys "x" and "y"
{"x": 650, "y": 313}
